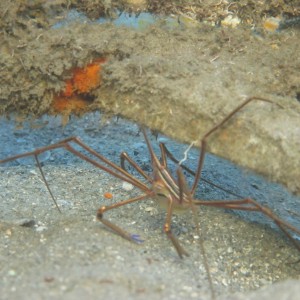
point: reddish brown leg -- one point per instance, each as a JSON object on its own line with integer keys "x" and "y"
{"x": 249, "y": 204}
{"x": 125, "y": 157}
{"x": 166, "y": 153}
{"x": 156, "y": 164}
{"x": 167, "y": 229}
{"x": 113, "y": 170}
{"x": 115, "y": 228}
{"x": 212, "y": 130}
{"x": 45, "y": 181}
{"x": 184, "y": 191}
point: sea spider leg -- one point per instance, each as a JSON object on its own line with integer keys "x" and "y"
{"x": 184, "y": 190}
{"x": 203, "y": 141}
{"x": 115, "y": 170}
{"x": 168, "y": 231}
{"x": 166, "y": 153}
{"x": 125, "y": 157}
{"x": 236, "y": 203}
{"x": 249, "y": 204}
{"x": 115, "y": 228}
{"x": 157, "y": 184}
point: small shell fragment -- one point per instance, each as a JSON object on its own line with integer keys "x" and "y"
{"x": 231, "y": 21}
{"x": 149, "y": 209}
{"x": 127, "y": 186}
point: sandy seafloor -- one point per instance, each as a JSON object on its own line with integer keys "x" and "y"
{"x": 70, "y": 255}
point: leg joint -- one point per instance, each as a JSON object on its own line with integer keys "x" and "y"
{"x": 100, "y": 212}
{"x": 167, "y": 228}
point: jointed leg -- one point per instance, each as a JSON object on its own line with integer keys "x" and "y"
{"x": 166, "y": 153}
{"x": 212, "y": 130}
{"x": 184, "y": 191}
{"x": 45, "y": 181}
{"x": 115, "y": 169}
{"x": 249, "y": 204}
{"x": 115, "y": 228}
{"x": 112, "y": 168}
{"x": 167, "y": 229}
{"x": 125, "y": 157}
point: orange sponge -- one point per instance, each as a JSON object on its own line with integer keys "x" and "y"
{"x": 84, "y": 79}
{"x": 75, "y": 97}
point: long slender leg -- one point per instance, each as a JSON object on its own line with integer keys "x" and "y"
{"x": 167, "y": 229}
{"x": 212, "y": 130}
{"x": 124, "y": 174}
{"x": 167, "y": 226}
{"x": 125, "y": 157}
{"x": 157, "y": 166}
{"x": 45, "y": 181}
{"x": 115, "y": 228}
{"x": 166, "y": 153}
{"x": 185, "y": 191}
{"x": 115, "y": 170}
{"x": 249, "y": 204}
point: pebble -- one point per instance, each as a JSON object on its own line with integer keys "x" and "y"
{"x": 41, "y": 228}
{"x": 149, "y": 209}
{"x": 224, "y": 282}
{"x": 7, "y": 233}
{"x": 12, "y": 272}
